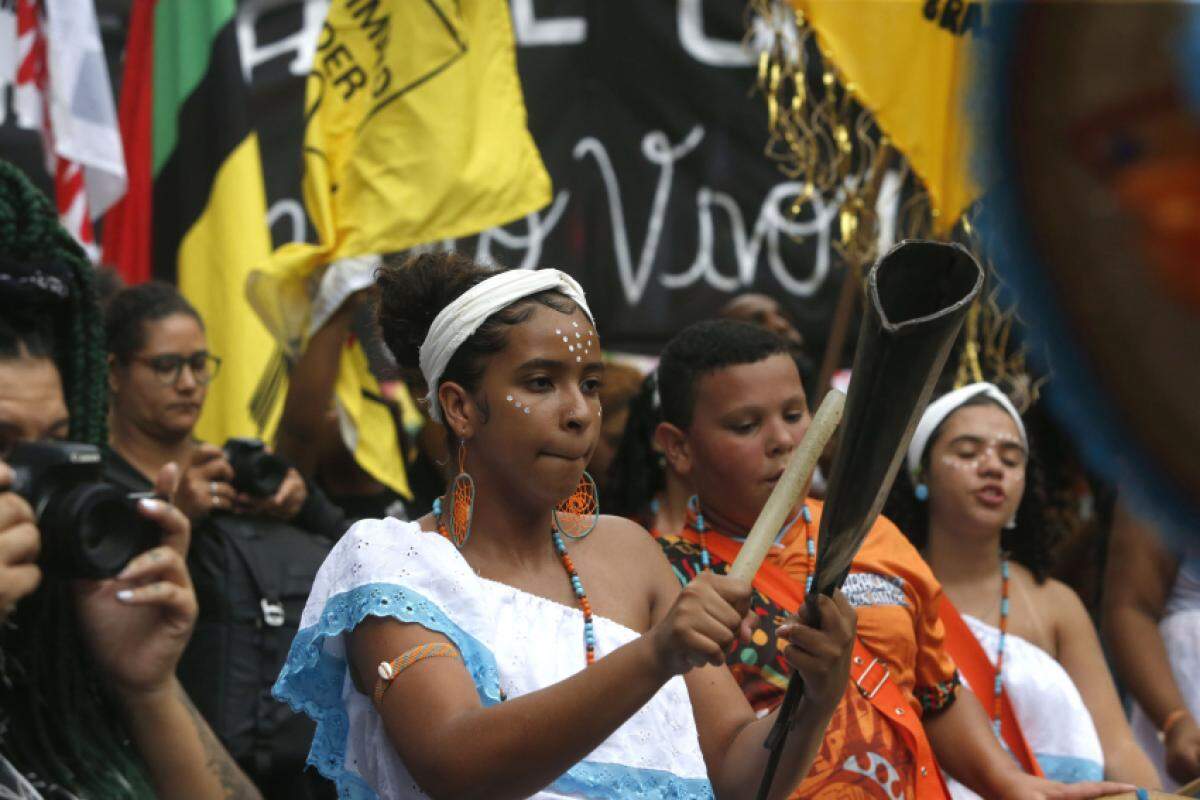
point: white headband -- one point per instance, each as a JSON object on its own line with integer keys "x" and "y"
{"x": 455, "y": 323}
{"x": 946, "y": 405}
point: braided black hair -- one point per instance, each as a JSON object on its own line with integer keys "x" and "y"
{"x": 1031, "y": 543}
{"x": 36, "y": 249}
{"x": 61, "y": 727}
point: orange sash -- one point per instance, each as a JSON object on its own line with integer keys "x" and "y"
{"x": 868, "y": 673}
{"x": 980, "y": 673}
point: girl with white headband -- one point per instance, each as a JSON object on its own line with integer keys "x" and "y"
{"x": 511, "y": 643}
{"x": 1024, "y": 642}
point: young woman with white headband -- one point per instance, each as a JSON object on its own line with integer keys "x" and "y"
{"x": 973, "y": 507}
{"x": 534, "y": 647}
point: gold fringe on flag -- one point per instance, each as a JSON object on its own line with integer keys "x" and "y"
{"x": 821, "y": 135}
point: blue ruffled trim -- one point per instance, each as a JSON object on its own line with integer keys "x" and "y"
{"x": 591, "y": 779}
{"x": 311, "y": 680}
{"x": 1069, "y": 769}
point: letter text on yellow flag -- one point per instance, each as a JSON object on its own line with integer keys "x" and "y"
{"x": 416, "y": 132}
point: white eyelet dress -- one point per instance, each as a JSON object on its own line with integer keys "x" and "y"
{"x": 1056, "y": 724}
{"x": 512, "y": 643}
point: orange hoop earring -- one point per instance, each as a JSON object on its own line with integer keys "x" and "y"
{"x": 581, "y": 509}
{"x": 462, "y": 504}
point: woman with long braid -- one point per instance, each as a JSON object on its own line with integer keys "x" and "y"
{"x": 91, "y": 707}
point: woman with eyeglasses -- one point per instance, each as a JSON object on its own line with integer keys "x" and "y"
{"x": 252, "y": 558}
{"x": 159, "y": 371}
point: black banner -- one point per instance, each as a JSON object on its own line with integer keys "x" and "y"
{"x": 664, "y": 203}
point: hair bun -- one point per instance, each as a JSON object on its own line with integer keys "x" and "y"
{"x": 413, "y": 290}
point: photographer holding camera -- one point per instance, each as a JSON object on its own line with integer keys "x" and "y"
{"x": 260, "y": 532}
{"x": 19, "y": 543}
{"x": 89, "y": 703}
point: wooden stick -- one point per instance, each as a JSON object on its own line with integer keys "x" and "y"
{"x": 789, "y": 487}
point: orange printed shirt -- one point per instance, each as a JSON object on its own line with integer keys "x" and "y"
{"x": 896, "y": 597}
{"x": 897, "y": 600}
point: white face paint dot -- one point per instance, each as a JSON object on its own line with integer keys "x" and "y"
{"x": 576, "y": 324}
{"x": 571, "y": 347}
{"x": 518, "y": 404}
{"x": 558, "y": 331}
{"x": 577, "y": 334}
{"x": 579, "y": 358}
{"x": 565, "y": 339}
{"x": 509, "y": 398}
{"x": 526, "y": 409}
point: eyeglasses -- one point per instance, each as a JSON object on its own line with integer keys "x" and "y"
{"x": 169, "y": 366}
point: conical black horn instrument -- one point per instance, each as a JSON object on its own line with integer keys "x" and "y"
{"x": 918, "y": 294}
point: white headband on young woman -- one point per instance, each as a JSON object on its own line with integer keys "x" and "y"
{"x": 946, "y": 405}
{"x": 455, "y": 323}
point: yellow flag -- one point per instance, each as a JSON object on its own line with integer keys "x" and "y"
{"x": 416, "y": 131}
{"x": 909, "y": 63}
{"x": 215, "y": 256}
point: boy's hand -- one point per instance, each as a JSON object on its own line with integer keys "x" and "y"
{"x": 702, "y": 623}
{"x": 822, "y": 655}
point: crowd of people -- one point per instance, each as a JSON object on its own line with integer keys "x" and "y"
{"x": 549, "y": 613}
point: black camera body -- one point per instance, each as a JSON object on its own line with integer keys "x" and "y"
{"x": 89, "y": 528}
{"x": 256, "y": 472}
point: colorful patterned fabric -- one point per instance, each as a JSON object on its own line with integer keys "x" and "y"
{"x": 759, "y": 666}
{"x": 862, "y": 754}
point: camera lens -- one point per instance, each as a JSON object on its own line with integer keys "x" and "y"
{"x": 92, "y": 531}
{"x": 260, "y": 474}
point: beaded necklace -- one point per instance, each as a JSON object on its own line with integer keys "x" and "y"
{"x": 810, "y": 545}
{"x": 589, "y": 628}
{"x": 998, "y": 689}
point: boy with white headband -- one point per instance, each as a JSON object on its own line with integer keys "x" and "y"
{"x": 514, "y": 644}
{"x": 1023, "y": 642}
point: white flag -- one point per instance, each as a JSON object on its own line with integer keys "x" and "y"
{"x": 8, "y": 53}
{"x": 61, "y": 87}
{"x": 82, "y": 112}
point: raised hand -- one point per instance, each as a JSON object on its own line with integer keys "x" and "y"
{"x": 19, "y": 546}
{"x": 137, "y": 624}
{"x": 702, "y": 623}
{"x": 206, "y": 484}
